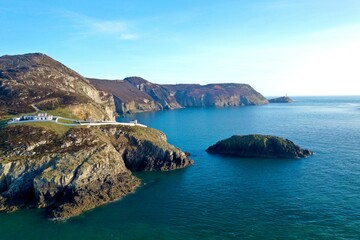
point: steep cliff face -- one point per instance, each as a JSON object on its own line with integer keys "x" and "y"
{"x": 38, "y": 79}
{"x": 161, "y": 95}
{"x": 80, "y": 169}
{"x": 135, "y": 94}
{"x": 219, "y": 95}
{"x": 128, "y": 98}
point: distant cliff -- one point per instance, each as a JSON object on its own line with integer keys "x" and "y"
{"x": 71, "y": 171}
{"x": 135, "y": 94}
{"x": 218, "y": 95}
{"x": 38, "y": 79}
{"x": 128, "y": 98}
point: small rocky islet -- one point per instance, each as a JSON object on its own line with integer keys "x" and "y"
{"x": 284, "y": 99}
{"x": 259, "y": 146}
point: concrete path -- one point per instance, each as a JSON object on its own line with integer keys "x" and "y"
{"x": 81, "y": 123}
{"x": 35, "y": 107}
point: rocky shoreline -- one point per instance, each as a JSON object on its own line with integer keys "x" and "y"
{"x": 79, "y": 170}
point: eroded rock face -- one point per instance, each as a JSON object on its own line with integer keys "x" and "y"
{"x": 135, "y": 94}
{"x": 259, "y": 146}
{"x": 128, "y": 97}
{"x": 216, "y": 95}
{"x": 160, "y": 156}
{"x": 84, "y": 168}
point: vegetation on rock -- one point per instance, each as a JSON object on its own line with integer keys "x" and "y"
{"x": 259, "y": 146}
{"x": 72, "y": 170}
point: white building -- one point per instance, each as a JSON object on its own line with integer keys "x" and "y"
{"x": 37, "y": 117}
{"x": 43, "y": 117}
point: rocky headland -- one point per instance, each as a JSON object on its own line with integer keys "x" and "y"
{"x": 258, "y": 146}
{"x": 284, "y": 99}
{"x": 76, "y": 169}
{"x": 135, "y": 94}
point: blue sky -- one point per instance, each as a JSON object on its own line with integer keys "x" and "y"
{"x": 277, "y": 46}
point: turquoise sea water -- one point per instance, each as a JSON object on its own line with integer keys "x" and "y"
{"x": 232, "y": 198}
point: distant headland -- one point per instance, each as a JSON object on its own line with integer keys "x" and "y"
{"x": 36, "y": 79}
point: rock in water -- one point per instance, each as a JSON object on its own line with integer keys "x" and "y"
{"x": 281, "y": 100}
{"x": 80, "y": 169}
{"x": 259, "y": 146}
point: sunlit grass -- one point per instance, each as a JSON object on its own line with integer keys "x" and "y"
{"x": 62, "y": 112}
{"x": 65, "y": 121}
{"x": 57, "y": 128}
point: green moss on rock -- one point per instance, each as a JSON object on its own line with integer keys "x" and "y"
{"x": 259, "y": 146}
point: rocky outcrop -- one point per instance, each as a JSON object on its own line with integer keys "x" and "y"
{"x": 284, "y": 99}
{"x": 38, "y": 79}
{"x": 79, "y": 170}
{"x": 135, "y": 94}
{"x": 259, "y": 146}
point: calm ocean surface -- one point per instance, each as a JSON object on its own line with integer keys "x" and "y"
{"x": 228, "y": 197}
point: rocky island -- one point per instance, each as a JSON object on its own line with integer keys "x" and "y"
{"x": 258, "y": 146}
{"x": 284, "y": 99}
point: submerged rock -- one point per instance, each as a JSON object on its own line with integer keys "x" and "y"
{"x": 259, "y": 146}
{"x": 79, "y": 170}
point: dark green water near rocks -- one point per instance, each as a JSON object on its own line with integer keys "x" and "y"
{"x": 228, "y": 197}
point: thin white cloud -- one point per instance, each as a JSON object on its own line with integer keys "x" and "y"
{"x": 86, "y": 25}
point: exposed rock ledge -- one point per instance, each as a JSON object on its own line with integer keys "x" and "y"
{"x": 259, "y": 146}
{"x": 79, "y": 170}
